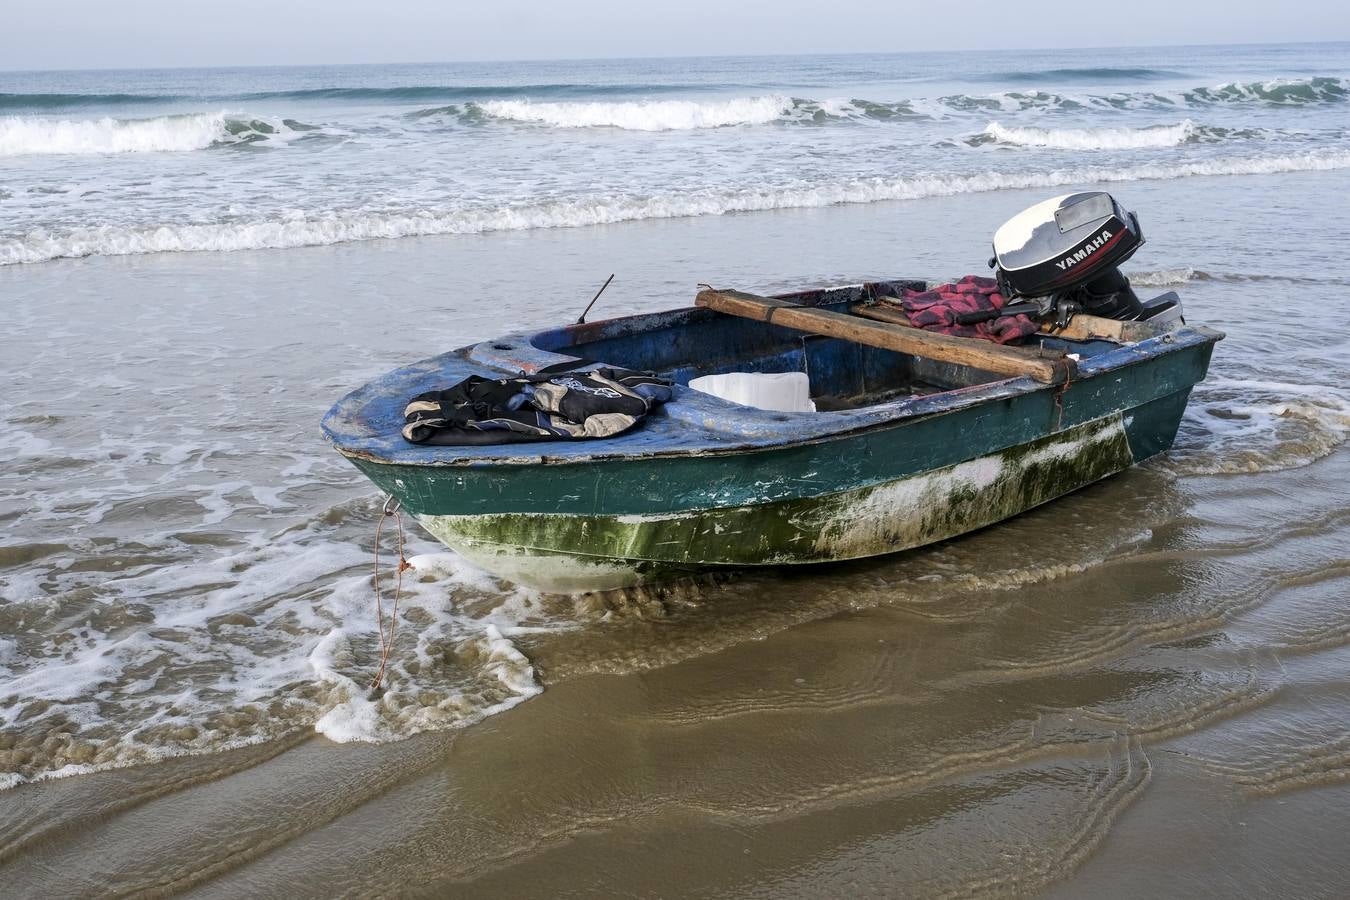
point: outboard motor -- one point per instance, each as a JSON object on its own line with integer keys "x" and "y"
{"x": 1063, "y": 255}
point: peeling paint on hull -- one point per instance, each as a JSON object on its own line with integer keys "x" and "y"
{"x": 571, "y": 553}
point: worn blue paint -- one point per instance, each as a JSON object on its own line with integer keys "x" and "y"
{"x": 681, "y": 344}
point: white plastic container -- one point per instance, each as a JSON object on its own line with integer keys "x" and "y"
{"x": 779, "y": 391}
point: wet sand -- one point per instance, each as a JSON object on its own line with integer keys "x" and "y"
{"x": 1139, "y": 690}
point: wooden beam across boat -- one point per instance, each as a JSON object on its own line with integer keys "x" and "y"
{"x": 1011, "y": 361}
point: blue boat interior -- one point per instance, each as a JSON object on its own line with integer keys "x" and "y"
{"x": 843, "y": 374}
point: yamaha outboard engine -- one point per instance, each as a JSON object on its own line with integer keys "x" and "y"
{"x": 1063, "y": 254}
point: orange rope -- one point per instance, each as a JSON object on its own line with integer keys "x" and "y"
{"x": 1059, "y": 401}
{"x": 387, "y": 642}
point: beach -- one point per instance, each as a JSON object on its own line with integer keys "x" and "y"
{"x": 1139, "y": 689}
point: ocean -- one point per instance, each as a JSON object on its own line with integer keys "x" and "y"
{"x": 1141, "y": 688}
{"x": 138, "y": 162}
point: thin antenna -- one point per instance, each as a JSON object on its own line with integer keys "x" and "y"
{"x": 582, "y": 320}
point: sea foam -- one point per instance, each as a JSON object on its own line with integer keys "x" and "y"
{"x": 1236, "y": 425}
{"x": 1167, "y": 277}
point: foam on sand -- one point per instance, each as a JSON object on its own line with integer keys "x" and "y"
{"x": 354, "y": 713}
{"x": 270, "y": 640}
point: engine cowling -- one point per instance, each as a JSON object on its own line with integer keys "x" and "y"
{"x": 1069, "y": 248}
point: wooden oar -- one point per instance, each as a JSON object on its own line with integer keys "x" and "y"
{"x": 983, "y": 355}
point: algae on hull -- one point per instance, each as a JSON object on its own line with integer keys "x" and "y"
{"x": 556, "y": 552}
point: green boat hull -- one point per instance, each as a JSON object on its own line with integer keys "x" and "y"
{"x": 571, "y": 551}
{"x": 567, "y": 553}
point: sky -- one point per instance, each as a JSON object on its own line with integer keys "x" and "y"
{"x": 73, "y": 34}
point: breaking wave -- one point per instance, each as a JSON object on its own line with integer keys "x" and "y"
{"x": 672, "y": 115}
{"x": 1153, "y": 136}
{"x": 22, "y": 136}
{"x": 643, "y": 115}
{"x": 668, "y": 115}
{"x": 300, "y": 229}
{"x": 1278, "y": 92}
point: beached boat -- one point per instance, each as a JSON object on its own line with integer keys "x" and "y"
{"x": 917, "y": 437}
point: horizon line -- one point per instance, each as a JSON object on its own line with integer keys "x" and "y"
{"x": 676, "y": 56}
